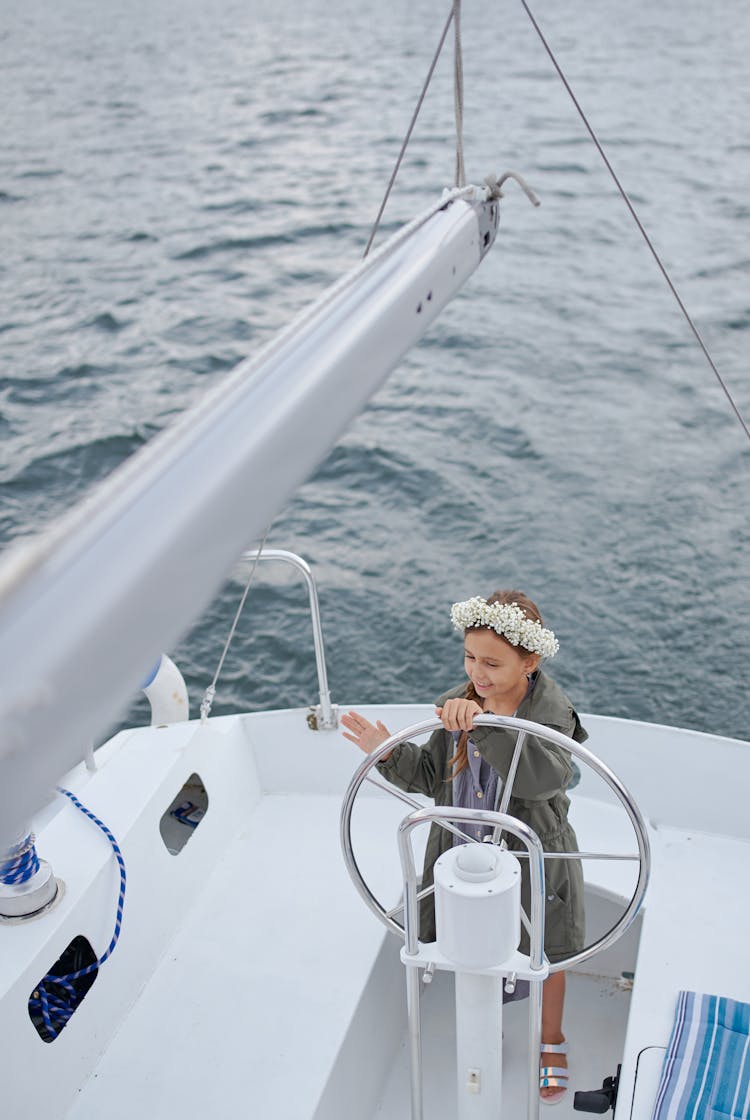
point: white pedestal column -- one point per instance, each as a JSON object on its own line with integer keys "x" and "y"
{"x": 479, "y": 1032}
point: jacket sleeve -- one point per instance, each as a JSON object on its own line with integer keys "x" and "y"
{"x": 543, "y": 768}
{"x": 416, "y": 769}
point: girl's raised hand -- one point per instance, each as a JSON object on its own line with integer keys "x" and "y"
{"x": 367, "y": 736}
{"x": 458, "y": 714}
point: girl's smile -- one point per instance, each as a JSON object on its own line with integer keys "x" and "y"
{"x": 498, "y": 670}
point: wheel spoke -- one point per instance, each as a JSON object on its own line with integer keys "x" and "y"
{"x": 401, "y": 796}
{"x": 631, "y": 857}
{"x": 509, "y": 780}
{"x": 424, "y": 893}
{"x": 393, "y": 791}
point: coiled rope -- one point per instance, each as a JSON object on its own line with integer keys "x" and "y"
{"x": 639, "y": 224}
{"x": 55, "y": 998}
{"x": 21, "y": 862}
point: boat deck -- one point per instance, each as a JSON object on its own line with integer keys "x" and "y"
{"x": 297, "y": 1003}
{"x": 595, "y": 1019}
{"x": 259, "y": 989}
{"x": 250, "y": 974}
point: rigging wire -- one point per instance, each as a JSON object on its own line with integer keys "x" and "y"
{"x": 458, "y": 93}
{"x": 210, "y": 693}
{"x": 409, "y": 131}
{"x": 636, "y": 219}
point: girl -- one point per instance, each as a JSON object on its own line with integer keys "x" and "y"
{"x": 464, "y": 766}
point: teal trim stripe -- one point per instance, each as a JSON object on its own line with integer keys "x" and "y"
{"x": 706, "y": 1071}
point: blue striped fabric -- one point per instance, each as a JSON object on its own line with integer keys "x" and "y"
{"x": 706, "y": 1072}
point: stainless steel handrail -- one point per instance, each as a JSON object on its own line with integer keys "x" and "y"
{"x": 327, "y": 713}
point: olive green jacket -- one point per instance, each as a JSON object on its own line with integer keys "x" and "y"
{"x": 544, "y": 770}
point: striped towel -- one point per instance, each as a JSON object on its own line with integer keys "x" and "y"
{"x": 706, "y": 1072}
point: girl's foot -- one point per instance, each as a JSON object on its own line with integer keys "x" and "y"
{"x": 553, "y": 1072}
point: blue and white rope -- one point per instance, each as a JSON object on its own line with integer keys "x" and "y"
{"x": 21, "y": 862}
{"x": 57, "y": 1006}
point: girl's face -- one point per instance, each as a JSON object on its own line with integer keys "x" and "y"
{"x": 498, "y": 670}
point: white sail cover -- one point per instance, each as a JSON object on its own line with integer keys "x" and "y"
{"x": 86, "y": 609}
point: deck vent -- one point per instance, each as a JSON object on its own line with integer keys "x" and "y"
{"x": 184, "y": 815}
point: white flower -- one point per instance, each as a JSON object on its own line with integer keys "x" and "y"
{"x": 509, "y": 621}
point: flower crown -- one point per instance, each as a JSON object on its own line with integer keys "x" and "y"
{"x": 509, "y": 621}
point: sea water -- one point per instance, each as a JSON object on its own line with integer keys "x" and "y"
{"x": 178, "y": 178}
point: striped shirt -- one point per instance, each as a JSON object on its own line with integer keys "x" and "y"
{"x": 478, "y": 786}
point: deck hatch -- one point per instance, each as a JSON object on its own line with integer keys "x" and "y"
{"x": 78, "y": 955}
{"x": 184, "y": 814}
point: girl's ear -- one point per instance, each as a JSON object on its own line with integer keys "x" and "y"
{"x": 532, "y": 662}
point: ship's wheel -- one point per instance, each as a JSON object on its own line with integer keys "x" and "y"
{"x": 523, "y": 728}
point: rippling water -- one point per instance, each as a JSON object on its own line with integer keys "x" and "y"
{"x": 177, "y": 178}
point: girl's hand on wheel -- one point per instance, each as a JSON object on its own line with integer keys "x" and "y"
{"x": 458, "y": 714}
